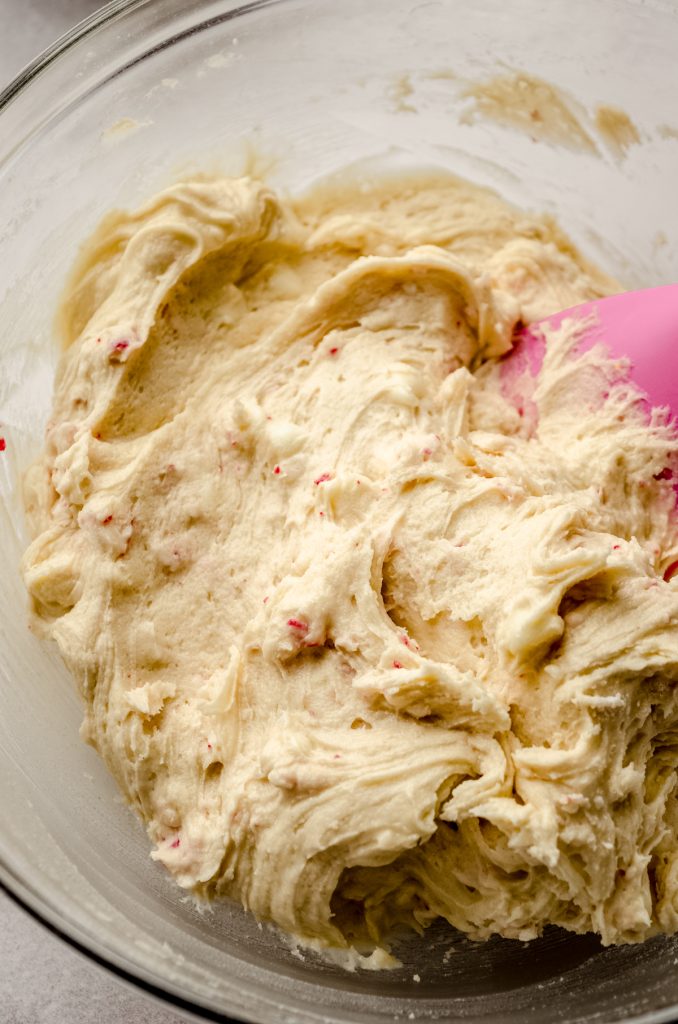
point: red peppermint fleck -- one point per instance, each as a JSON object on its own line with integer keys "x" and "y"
{"x": 321, "y": 513}
{"x": 670, "y": 571}
{"x": 276, "y": 470}
{"x": 298, "y": 624}
{"x": 175, "y": 844}
{"x": 397, "y": 664}
{"x": 120, "y": 346}
{"x": 322, "y": 478}
{"x": 666, "y": 474}
{"x": 209, "y": 745}
{"x": 427, "y": 453}
{"x": 411, "y": 644}
{"x": 107, "y": 520}
{"x": 333, "y": 351}
{"x": 266, "y": 600}
{"x": 3, "y": 444}
{"x": 616, "y": 547}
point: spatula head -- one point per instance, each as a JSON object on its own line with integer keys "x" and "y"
{"x": 641, "y": 326}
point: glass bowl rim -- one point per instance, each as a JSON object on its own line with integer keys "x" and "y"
{"x": 63, "y": 43}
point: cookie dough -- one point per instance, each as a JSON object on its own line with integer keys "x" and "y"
{"x": 363, "y": 641}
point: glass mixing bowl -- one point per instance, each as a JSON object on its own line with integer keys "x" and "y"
{"x": 151, "y": 90}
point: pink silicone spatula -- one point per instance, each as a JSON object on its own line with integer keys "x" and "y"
{"x": 641, "y": 326}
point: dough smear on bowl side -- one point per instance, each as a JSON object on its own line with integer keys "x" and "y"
{"x": 363, "y": 643}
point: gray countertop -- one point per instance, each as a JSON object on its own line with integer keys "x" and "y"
{"x": 42, "y": 980}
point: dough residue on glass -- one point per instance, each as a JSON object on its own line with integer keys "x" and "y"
{"x": 616, "y": 129}
{"x": 549, "y": 114}
{"x": 533, "y": 106}
{"x": 362, "y": 641}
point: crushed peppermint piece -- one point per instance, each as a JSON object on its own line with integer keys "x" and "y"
{"x": 670, "y": 571}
